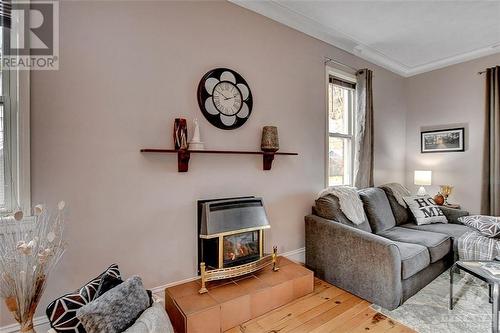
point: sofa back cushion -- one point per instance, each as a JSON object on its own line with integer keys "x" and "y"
{"x": 377, "y": 209}
{"x": 401, "y": 214}
{"x": 328, "y": 207}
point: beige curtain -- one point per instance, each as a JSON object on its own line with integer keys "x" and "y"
{"x": 490, "y": 203}
{"x": 363, "y": 154}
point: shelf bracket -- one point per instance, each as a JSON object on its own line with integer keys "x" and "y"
{"x": 183, "y": 160}
{"x": 267, "y": 159}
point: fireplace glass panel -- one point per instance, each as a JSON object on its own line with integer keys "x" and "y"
{"x": 241, "y": 248}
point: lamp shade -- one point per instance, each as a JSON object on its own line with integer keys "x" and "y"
{"x": 423, "y": 177}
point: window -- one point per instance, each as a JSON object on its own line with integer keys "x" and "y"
{"x": 341, "y": 104}
{"x": 14, "y": 126}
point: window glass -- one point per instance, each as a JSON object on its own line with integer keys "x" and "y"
{"x": 341, "y": 98}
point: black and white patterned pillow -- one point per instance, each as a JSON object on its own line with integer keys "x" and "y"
{"x": 488, "y": 226}
{"x": 62, "y": 311}
{"x": 425, "y": 210}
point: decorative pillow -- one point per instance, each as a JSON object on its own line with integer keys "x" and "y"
{"x": 62, "y": 311}
{"x": 488, "y": 226}
{"x": 425, "y": 210}
{"x": 107, "y": 283}
{"x": 154, "y": 319}
{"x": 115, "y": 310}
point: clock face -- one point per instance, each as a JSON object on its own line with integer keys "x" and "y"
{"x": 224, "y": 98}
{"x": 227, "y": 98}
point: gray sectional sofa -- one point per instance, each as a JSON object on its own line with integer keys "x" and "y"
{"x": 387, "y": 258}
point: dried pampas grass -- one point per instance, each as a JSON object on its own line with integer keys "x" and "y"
{"x": 30, "y": 248}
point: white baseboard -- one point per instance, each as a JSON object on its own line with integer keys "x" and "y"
{"x": 42, "y": 323}
{"x": 298, "y": 255}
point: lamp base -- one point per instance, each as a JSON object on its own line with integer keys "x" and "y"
{"x": 421, "y": 191}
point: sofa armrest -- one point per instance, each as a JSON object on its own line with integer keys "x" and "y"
{"x": 453, "y": 214}
{"x": 362, "y": 263}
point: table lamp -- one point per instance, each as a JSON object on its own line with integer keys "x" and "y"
{"x": 422, "y": 178}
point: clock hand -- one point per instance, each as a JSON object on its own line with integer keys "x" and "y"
{"x": 220, "y": 92}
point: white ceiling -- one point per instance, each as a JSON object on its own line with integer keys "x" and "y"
{"x": 406, "y": 37}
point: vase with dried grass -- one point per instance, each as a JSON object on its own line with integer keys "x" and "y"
{"x": 30, "y": 248}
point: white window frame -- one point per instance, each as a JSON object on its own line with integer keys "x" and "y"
{"x": 331, "y": 71}
{"x": 18, "y": 140}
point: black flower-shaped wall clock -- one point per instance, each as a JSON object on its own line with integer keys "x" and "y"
{"x": 225, "y": 98}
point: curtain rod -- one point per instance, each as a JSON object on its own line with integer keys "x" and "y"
{"x": 327, "y": 60}
{"x": 481, "y": 72}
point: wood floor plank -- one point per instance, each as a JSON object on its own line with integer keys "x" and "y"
{"x": 297, "y": 324}
{"x": 298, "y": 307}
{"x": 400, "y": 328}
{"x": 327, "y": 309}
{"x": 349, "y": 324}
{"x": 333, "y": 320}
{"x": 323, "y": 288}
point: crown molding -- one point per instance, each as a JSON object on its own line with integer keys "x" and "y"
{"x": 282, "y": 14}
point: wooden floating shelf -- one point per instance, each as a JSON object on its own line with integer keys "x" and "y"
{"x": 183, "y": 155}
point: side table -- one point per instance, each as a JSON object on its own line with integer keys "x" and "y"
{"x": 454, "y": 206}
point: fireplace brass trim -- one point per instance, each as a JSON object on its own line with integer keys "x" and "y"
{"x": 239, "y": 231}
{"x": 221, "y": 251}
{"x": 261, "y": 243}
{"x": 230, "y": 272}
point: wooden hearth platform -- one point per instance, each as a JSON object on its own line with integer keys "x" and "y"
{"x": 232, "y": 302}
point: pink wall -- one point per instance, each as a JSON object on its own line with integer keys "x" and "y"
{"x": 452, "y": 96}
{"x": 127, "y": 70}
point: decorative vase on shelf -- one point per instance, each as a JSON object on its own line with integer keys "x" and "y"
{"x": 180, "y": 134}
{"x": 196, "y": 143}
{"x": 270, "y": 142}
{"x": 40, "y": 248}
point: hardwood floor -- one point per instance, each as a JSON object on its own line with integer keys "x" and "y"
{"x": 327, "y": 309}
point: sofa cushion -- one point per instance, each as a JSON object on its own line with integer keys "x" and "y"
{"x": 153, "y": 319}
{"x": 328, "y": 207}
{"x": 401, "y": 214}
{"x": 377, "y": 209}
{"x": 439, "y": 245}
{"x": 414, "y": 258}
{"x": 452, "y": 230}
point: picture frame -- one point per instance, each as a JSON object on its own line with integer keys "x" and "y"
{"x": 443, "y": 141}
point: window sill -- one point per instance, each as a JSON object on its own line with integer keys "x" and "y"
{"x": 26, "y": 224}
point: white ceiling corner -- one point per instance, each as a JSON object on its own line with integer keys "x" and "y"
{"x": 405, "y": 37}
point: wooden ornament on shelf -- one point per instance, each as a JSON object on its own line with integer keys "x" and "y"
{"x": 180, "y": 133}
{"x": 270, "y": 141}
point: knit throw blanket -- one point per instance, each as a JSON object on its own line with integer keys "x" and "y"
{"x": 350, "y": 203}
{"x": 398, "y": 191}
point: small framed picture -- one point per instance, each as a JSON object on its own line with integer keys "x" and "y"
{"x": 442, "y": 141}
